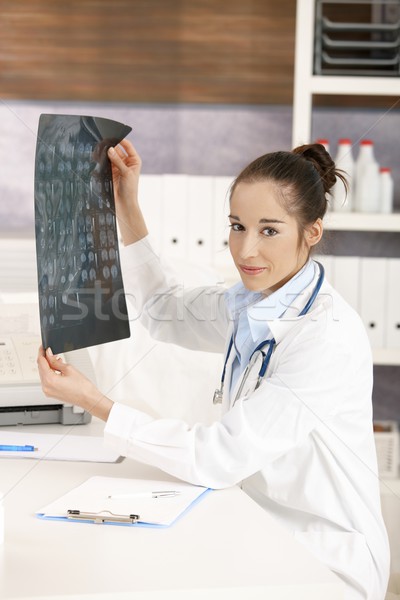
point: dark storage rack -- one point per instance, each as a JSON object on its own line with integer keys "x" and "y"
{"x": 368, "y": 45}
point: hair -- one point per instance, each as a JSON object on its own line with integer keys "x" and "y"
{"x": 305, "y": 176}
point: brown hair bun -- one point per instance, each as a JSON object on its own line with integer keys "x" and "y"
{"x": 317, "y": 155}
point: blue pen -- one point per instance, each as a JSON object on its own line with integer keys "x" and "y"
{"x": 12, "y": 448}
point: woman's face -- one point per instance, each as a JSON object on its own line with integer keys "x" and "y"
{"x": 264, "y": 239}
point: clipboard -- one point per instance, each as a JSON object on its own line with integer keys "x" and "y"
{"x": 125, "y": 502}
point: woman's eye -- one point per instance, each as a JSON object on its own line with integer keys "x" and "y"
{"x": 269, "y": 232}
{"x": 236, "y": 227}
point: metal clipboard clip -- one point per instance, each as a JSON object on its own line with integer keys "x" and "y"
{"x": 104, "y": 516}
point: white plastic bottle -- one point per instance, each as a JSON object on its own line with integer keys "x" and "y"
{"x": 324, "y": 142}
{"x": 386, "y": 190}
{"x": 342, "y": 201}
{"x": 367, "y": 179}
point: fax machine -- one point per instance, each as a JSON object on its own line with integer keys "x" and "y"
{"x": 22, "y": 401}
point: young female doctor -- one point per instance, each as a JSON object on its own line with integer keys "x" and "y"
{"x": 296, "y": 429}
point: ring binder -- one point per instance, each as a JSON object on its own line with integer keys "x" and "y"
{"x": 101, "y": 517}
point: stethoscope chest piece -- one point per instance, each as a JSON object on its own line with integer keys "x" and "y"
{"x": 217, "y": 398}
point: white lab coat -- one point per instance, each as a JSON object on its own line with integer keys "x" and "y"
{"x": 301, "y": 444}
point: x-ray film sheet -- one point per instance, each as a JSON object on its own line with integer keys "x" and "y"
{"x": 81, "y": 294}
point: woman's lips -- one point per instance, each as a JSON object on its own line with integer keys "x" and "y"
{"x": 251, "y": 270}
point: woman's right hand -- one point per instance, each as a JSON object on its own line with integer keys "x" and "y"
{"x": 126, "y": 164}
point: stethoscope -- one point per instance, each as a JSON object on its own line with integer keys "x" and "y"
{"x": 266, "y": 354}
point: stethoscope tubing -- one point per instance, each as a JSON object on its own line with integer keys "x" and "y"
{"x": 271, "y": 345}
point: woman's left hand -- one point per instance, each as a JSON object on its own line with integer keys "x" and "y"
{"x": 65, "y": 383}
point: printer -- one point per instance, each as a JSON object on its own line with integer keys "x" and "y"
{"x": 22, "y": 401}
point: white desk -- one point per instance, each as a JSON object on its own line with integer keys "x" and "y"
{"x": 226, "y": 547}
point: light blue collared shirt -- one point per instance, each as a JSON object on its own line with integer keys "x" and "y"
{"x": 251, "y": 312}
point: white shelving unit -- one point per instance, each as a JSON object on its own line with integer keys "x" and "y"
{"x": 306, "y": 86}
{"x": 362, "y": 222}
{"x": 386, "y": 356}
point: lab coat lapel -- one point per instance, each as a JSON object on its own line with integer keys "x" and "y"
{"x": 282, "y": 326}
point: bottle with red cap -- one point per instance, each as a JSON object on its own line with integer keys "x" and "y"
{"x": 367, "y": 179}
{"x": 342, "y": 201}
{"x": 386, "y": 190}
{"x": 324, "y": 142}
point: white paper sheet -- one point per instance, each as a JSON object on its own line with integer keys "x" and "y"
{"x": 58, "y": 447}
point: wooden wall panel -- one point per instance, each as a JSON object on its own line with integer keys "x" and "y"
{"x": 227, "y": 51}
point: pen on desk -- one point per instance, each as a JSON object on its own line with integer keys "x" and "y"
{"x": 13, "y": 448}
{"x": 161, "y": 494}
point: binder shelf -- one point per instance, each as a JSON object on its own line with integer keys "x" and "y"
{"x": 368, "y": 44}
